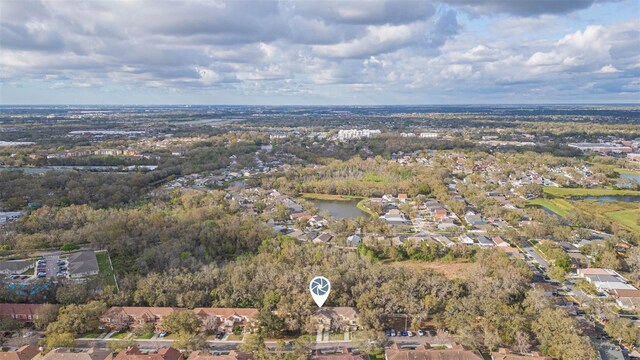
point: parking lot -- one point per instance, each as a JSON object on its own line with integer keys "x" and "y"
{"x": 51, "y": 268}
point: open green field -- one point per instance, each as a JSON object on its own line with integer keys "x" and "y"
{"x": 558, "y": 206}
{"x": 567, "y": 192}
{"x": 105, "y": 268}
{"x": 628, "y": 218}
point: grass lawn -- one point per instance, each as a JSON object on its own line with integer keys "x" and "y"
{"x": 628, "y": 218}
{"x": 558, "y": 206}
{"x": 336, "y": 337}
{"x": 146, "y": 336}
{"x": 567, "y": 192}
{"x": 90, "y": 335}
{"x": 363, "y": 208}
{"x": 627, "y": 171}
{"x": 233, "y": 337}
{"x": 29, "y": 272}
{"x": 105, "y": 267}
{"x": 120, "y": 335}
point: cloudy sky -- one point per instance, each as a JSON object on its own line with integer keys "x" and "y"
{"x": 319, "y": 52}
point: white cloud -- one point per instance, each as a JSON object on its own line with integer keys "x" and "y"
{"x": 608, "y": 69}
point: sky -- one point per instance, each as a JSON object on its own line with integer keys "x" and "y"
{"x": 308, "y": 52}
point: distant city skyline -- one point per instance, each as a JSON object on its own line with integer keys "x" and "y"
{"x": 302, "y": 52}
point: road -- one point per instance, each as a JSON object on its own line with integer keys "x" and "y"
{"x": 526, "y": 247}
{"x": 150, "y": 345}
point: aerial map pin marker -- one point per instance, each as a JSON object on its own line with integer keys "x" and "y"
{"x": 320, "y": 288}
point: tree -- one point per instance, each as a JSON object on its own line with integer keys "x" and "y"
{"x": 57, "y": 340}
{"x": 560, "y": 337}
{"x": 270, "y": 324}
{"x": 557, "y": 273}
{"x": 609, "y": 259}
{"x": 45, "y": 314}
{"x": 142, "y": 330}
{"x": 369, "y": 341}
{"x": 190, "y": 342}
{"x": 623, "y": 330}
{"x": 254, "y": 343}
{"x": 78, "y": 319}
{"x": 9, "y": 324}
{"x": 120, "y": 345}
{"x": 182, "y": 321}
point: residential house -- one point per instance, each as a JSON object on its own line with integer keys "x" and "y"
{"x": 475, "y": 220}
{"x": 24, "y": 313}
{"x": 484, "y": 242}
{"x": 628, "y": 300}
{"x": 16, "y": 267}
{"x": 354, "y": 239}
{"x": 300, "y": 215}
{"x": 67, "y": 354}
{"x": 128, "y": 317}
{"x": 299, "y": 235}
{"x": 317, "y": 221}
{"x": 444, "y": 240}
{"x": 439, "y": 214}
{"x": 465, "y": 240}
{"x": 133, "y": 353}
{"x": 425, "y": 352}
{"x": 604, "y": 279}
{"x": 323, "y": 238}
{"x": 547, "y": 288}
{"x": 395, "y": 217}
{"x": 336, "y": 318}
{"x": 232, "y": 355}
{"x": 499, "y": 241}
{"x": 224, "y": 319}
{"x": 511, "y": 251}
{"x": 26, "y": 352}
{"x": 82, "y": 264}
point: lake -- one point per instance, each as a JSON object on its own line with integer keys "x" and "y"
{"x": 602, "y": 199}
{"x": 340, "y": 209}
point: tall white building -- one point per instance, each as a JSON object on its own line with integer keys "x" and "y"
{"x": 356, "y": 134}
{"x": 429, "y": 135}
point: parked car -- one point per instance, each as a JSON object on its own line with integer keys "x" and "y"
{"x": 393, "y": 333}
{"x": 403, "y": 333}
{"x": 219, "y": 336}
{"x": 163, "y": 334}
{"x": 420, "y": 332}
{"x": 42, "y": 274}
{"x": 63, "y": 268}
{"x": 387, "y": 333}
{"x": 410, "y": 333}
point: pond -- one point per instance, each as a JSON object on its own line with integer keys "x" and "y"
{"x": 340, "y": 209}
{"x": 603, "y": 199}
{"x": 626, "y": 180}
